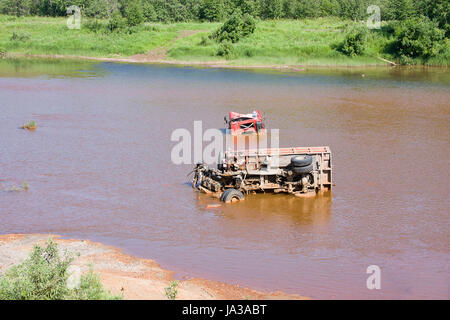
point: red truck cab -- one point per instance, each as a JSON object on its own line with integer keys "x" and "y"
{"x": 239, "y": 123}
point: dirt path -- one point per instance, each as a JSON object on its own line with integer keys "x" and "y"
{"x": 160, "y": 54}
{"x": 136, "y": 278}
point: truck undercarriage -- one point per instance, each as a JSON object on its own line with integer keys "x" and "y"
{"x": 298, "y": 171}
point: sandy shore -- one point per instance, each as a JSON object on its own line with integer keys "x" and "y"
{"x": 135, "y": 278}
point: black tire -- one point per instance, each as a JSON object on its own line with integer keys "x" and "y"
{"x": 305, "y": 169}
{"x": 301, "y": 161}
{"x": 231, "y": 194}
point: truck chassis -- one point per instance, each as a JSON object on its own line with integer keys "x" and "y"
{"x": 298, "y": 171}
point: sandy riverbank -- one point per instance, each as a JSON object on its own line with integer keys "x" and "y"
{"x": 135, "y": 278}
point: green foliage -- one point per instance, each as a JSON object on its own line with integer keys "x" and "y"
{"x": 218, "y": 10}
{"x": 149, "y": 11}
{"x": 172, "y": 290}
{"x": 94, "y": 25}
{"x": 235, "y": 28}
{"x": 401, "y": 9}
{"x": 417, "y": 38}
{"x": 29, "y": 125}
{"x": 212, "y": 10}
{"x": 133, "y": 13}
{"x": 437, "y": 10}
{"x": 100, "y": 8}
{"x": 308, "y": 9}
{"x": 117, "y": 22}
{"x": 271, "y": 9}
{"x": 43, "y": 276}
{"x": 226, "y": 49}
{"x": 354, "y": 43}
{"x": 91, "y": 288}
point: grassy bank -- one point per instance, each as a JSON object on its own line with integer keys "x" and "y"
{"x": 282, "y": 42}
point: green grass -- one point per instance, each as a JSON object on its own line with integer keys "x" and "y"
{"x": 291, "y": 42}
{"x": 310, "y": 42}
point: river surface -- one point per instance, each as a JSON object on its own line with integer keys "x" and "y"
{"x": 99, "y": 167}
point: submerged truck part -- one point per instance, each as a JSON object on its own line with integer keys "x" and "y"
{"x": 299, "y": 170}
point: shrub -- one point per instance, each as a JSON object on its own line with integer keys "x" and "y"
{"x": 236, "y": 27}
{"x": 354, "y": 43}
{"x": 226, "y": 49}
{"x": 43, "y": 276}
{"x": 248, "y": 25}
{"x": 116, "y": 22}
{"x": 417, "y": 38}
{"x": 94, "y": 25}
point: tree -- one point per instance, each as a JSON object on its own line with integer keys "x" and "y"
{"x": 272, "y": 9}
{"x": 308, "y": 9}
{"x": 401, "y": 9}
{"x": 418, "y": 38}
{"x": 212, "y": 10}
{"x": 148, "y": 10}
{"x": 353, "y": 9}
{"x": 437, "y": 10}
{"x": 133, "y": 13}
{"x": 250, "y": 7}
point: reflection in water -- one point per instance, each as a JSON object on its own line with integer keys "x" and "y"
{"x": 98, "y": 167}
{"x": 278, "y": 208}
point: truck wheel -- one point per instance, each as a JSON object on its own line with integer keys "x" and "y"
{"x": 301, "y": 161}
{"x": 305, "y": 169}
{"x": 231, "y": 195}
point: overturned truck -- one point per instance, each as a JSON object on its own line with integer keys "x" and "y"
{"x": 298, "y": 171}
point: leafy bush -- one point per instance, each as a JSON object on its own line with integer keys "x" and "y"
{"x": 417, "y": 38}
{"x": 354, "y": 43}
{"x": 248, "y": 25}
{"x": 43, "y": 276}
{"x": 236, "y": 27}
{"x": 94, "y": 25}
{"x": 116, "y": 22}
{"x": 226, "y": 49}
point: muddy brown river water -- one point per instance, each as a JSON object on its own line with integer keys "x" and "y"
{"x": 99, "y": 167}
